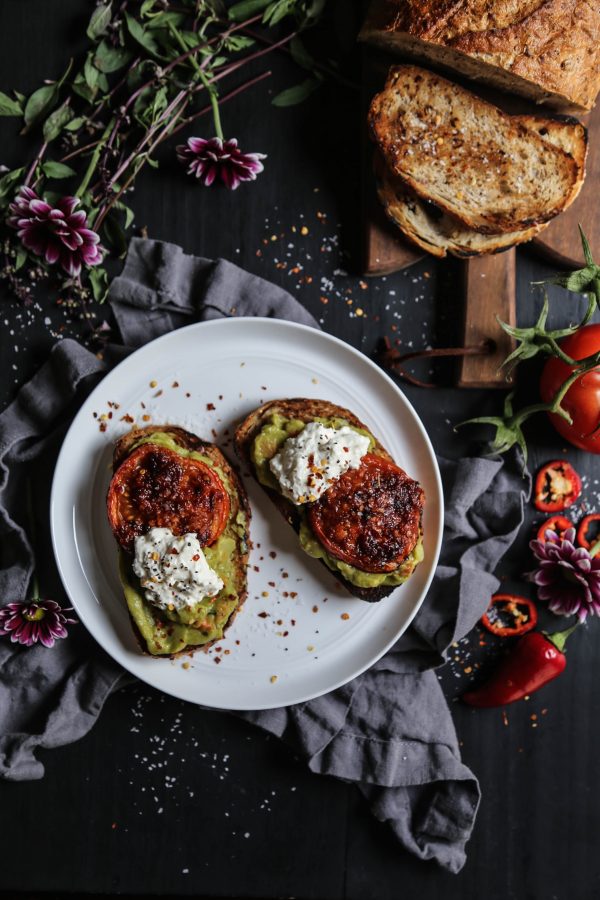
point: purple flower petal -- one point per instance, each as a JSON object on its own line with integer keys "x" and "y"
{"x": 212, "y": 159}
{"x": 58, "y": 233}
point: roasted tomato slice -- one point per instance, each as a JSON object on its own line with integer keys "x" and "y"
{"x": 557, "y": 486}
{"x": 370, "y": 517}
{"x": 157, "y": 488}
{"x": 557, "y": 524}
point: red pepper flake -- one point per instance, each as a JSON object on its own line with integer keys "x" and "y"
{"x": 272, "y": 554}
{"x": 103, "y": 426}
{"x": 263, "y": 615}
{"x": 158, "y": 393}
{"x": 127, "y": 418}
{"x": 292, "y": 621}
{"x": 256, "y": 568}
{"x": 293, "y": 594}
{"x": 284, "y": 575}
{"x": 217, "y": 659}
{"x": 271, "y": 584}
{"x": 210, "y": 406}
{"x": 279, "y": 622}
{"x": 175, "y": 384}
{"x": 345, "y": 616}
{"x": 226, "y": 652}
{"x": 146, "y": 418}
{"x": 315, "y": 609}
{"x": 285, "y": 633}
{"x": 195, "y": 557}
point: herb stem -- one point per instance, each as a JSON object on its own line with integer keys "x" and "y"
{"x": 93, "y": 161}
{"x": 35, "y": 163}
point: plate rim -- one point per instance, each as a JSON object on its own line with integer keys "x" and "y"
{"x": 268, "y": 322}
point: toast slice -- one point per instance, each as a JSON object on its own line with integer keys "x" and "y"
{"x": 303, "y": 410}
{"x": 466, "y": 156}
{"x": 439, "y": 233}
{"x": 230, "y": 599}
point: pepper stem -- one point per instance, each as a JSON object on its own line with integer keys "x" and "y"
{"x": 559, "y": 638}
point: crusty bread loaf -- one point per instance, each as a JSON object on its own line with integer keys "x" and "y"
{"x": 439, "y": 233}
{"x": 306, "y": 410}
{"x": 548, "y": 50}
{"x": 239, "y": 501}
{"x": 467, "y": 156}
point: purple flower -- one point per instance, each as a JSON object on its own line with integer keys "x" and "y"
{"x": 567, "y": 577}
{"x": 215, "y": 158}
{"x": 33, "y": 621}
{"x": 58, "y": 233}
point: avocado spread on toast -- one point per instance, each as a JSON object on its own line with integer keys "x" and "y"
{"x": 166, "y": 632}
{"x": 267, "y": 442}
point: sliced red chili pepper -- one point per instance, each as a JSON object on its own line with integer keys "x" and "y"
{"x": 536, "y": 659}
{"x": 558, "y": 524}
{"x": 583, "y": 529}
{"x": 557, "y": 486}
{"x": 509, "y": 615}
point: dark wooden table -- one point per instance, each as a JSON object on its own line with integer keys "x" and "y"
{"x": 164, "y": 798}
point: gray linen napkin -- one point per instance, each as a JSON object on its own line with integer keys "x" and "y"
{"x": 389, "y": 731}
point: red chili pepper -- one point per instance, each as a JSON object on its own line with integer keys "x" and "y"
{"x": 522, "y": 611}
{"x": 537, "y": 659}
{"x": 557, "y": 486}
{"x": 558, "y": 524}
{"x": 583, "y": 528}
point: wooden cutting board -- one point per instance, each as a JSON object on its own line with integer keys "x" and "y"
{"x": 489, "y": 281}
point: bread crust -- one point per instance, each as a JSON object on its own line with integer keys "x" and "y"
{"x": 445, "y": 142}
{"x": 439, "y": 233}
{"x": 190, "y": 441}
{"x": 306, "y": 410}
{"x": 544, "y": 49}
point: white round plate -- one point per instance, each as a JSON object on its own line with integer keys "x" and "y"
{"x": 206, "y": 378}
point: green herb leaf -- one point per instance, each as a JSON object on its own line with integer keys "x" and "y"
{"x": 20, "y": 259}
{"x": 56, "y": 121}
{"x": 53, "y": 169}
{"x": 82, "y": 89}
{"x": 75, "y": 124}
{"x": 90, "y": 72}
{"x": 100, "y": 21}
{"x": 7, "y": 182}
{"x": 40, "y": 103}
{"x": 297, "y": 94}
{"x": 139, "y": 34}
{"x": 300, "y": 54}
{"x": 246, "y": 8}
{"x": 99, "y": 282}
{"x": 9, "y": 107}
{"x": 278, "y": 11}
{"x": 108, "y": 59}
{"x": 129, "y": 213}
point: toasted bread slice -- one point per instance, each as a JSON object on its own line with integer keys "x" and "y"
{"x": 468, "y": 157}
{"x": 439, "y": 233}
{"x": 239, "y": 512}
{"x": 305, "y": 410}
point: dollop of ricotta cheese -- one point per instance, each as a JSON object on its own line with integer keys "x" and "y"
{"x": 309, "y": 462}
{"x": 173, "y": 570}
